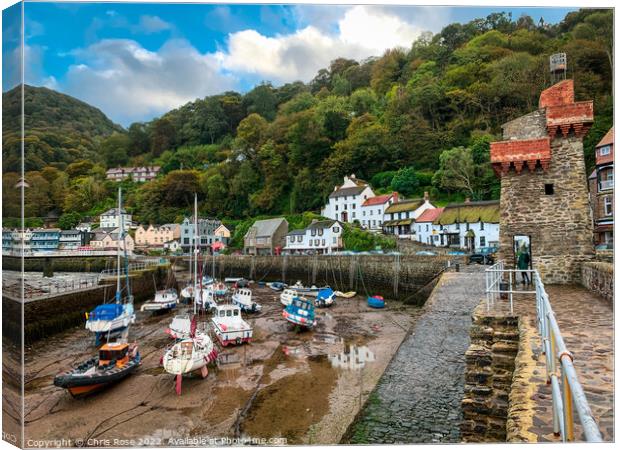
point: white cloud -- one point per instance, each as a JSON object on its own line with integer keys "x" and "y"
{"x": 130, "y": 83}
{"x": 362, "y": 31}
{"x": 151, "y": 24}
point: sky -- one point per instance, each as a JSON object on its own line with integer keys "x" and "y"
{"x": 137, "y": 61}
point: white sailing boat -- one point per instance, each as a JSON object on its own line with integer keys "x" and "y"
{"x": 111, "y": 319}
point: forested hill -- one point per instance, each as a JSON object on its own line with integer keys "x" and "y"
{"x": 60, "y": 128}
{"x": 413, "y": 119}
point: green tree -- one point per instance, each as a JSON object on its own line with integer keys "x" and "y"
{"x": 405, "y": 181}
{"x": 69, "y": 220}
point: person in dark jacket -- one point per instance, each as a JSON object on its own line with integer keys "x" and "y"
{"x": 523, "y": 264}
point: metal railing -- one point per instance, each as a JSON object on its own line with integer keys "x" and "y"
{"x": 133, "y": 267}
{"x": 566, "y": 391}
{"x": 49, "y": 289}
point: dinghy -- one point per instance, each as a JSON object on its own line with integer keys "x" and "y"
{"x": 243, "y": 298}
{"x": 303, "y": 290}
{"x": 300, "y": 312}
{"x": 229, "y": 326}
{"x": 349, "y": 294}
{"x": 114, "y": 362}
{"x": 277, "y": 286}
{"x": 325, "y": 297}
{"x": 376, "y": 301}
{"x": 164, "y": 300}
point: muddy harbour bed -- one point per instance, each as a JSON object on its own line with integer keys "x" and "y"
{"x": 286, "y": 387}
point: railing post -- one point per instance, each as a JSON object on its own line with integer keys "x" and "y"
{"x": 567, "y": 400}
{"x": 510, "y": 284}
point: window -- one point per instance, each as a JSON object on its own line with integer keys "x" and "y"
{"x": 313, "y": 232}
{"x": 320, "y": 232}
{"x": 603, "y": 151}
{"x": 374, "y": 222}
{"x": 420, "y": 228}
{"x": 345, "y": 206}
{"x": 292, "y": 239}
{"x": 352, "y": 205}
{"x": 482, "y": 241}
{"x": 336, "y": 207}
{"x": 371, "y": 212}
{"x": 379, "y": 212}
{"x": 336, "y": 229}
{"x": 334, "y": 240}
{"x": 353, "y": 215}
{"x": 323, "y": 242}
{"x": 458, "y": 226}
{"x": 549, "y": 189}
{"x": 364, "y": 213}
{"x": 608, "y": 206}
{"x": 316, "y": 242}
{"x": 467, "y": 226}
{"x": 482, "y": 225}
{"x": 427, "y": 228}
{"x": 299, "y": 238}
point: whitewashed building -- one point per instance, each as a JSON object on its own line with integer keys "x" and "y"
{"x": 400, "y": 216}
{"x": 469, "y": 225}
{"x": 426, "y": 231}
{"x": 373, "y": 210}
{"x": 345, "y": 202}
{"x": 139, "y": 174}
{"x": 111, "y": 219}
{"x": 322, "y": 237}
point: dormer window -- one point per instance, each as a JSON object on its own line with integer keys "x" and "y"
{"x": 605, "y": 150}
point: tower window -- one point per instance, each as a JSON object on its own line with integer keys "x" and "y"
{"x": 548, "y": 189}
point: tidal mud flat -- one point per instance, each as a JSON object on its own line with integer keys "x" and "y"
{"x": 289, "y": 386}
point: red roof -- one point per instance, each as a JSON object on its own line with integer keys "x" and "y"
{"x": 379, "y": 199}
{"x": 608, "y": 139}
{"x": 430, "y": 215}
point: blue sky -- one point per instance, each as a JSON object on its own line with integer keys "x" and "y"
{"x": 136, "y": 61}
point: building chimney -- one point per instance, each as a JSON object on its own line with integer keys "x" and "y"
{"x": 353, "y": 176}
{"x": 335, "y": 188}
{"x": 426, "y": 196}
{"x": 467, "y": 200}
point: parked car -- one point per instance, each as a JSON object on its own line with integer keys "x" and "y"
{"x": 484, "y": 255}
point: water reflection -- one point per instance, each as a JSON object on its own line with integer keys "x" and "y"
{"x": 353, "y": 358}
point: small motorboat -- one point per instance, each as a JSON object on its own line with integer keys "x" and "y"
{"x": 229, "y": 326}
{"x": 301, "y": 289}
{"x": 114, "y": 362}
{"x": 110, "y": 319}
{"x": 277, "y": 286}
{"x": 164, "y": 300}
{"x": 300, "y": 312}
{"x": 376, "y": 301}
{"x": 243, "y": 298}
{"x": 180, "y": 327}
{"x": 287, "y": 296}
{"x": 189, "y": 354}
{"x": 325, "y": 297}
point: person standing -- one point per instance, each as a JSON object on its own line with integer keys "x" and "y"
{"x": 523, "y": 264}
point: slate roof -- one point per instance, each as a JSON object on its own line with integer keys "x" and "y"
{"x": 321, "y": 224}
{"x": 267, "y": 227}
{"x": 114, "y": 212}
{"x": 353, "y": 190}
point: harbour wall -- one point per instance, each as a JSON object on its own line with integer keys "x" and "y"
{"x": 47, "y": 316}
{"x": 408, "y": 278}
{"x": 598, "y": 277}
{"x": 60, "y": 264}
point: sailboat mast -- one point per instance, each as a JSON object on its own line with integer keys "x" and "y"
{"x": 118, "y": 249}
{"x": 196, "y": 248}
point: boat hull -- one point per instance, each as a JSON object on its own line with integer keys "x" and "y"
{"x": 298, "y": 320}
{"x": 158, "y": 306}
{"x": 82, "y": 385}
{"x": 376, "y": 302}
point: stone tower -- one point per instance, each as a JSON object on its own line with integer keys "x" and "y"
{"x": 544, "y": 191}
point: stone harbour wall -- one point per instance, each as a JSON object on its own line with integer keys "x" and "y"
{"x": 408, "y": 278}
{"x": 599, "y": 277}
{"x": 490, "y": 364}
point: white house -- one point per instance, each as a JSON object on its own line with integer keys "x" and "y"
{"x": 345, "y": 202}
{"x": 108, "y": 240}
{"x": 469, "y": 225}
{"x": 400, "y": 216}
{"x": 373, "y": 210}
{"x": 172, "y": 246}
{"x": 110, "y": 219}
{"x": 323, "y": 237}
{"x": 426, "y": 231}
{"x": 70, "y": 240}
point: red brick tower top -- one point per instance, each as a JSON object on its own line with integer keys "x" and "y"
{"x": 561, "y": 114}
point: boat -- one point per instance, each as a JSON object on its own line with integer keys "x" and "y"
{"x": 349, "y": 294}
{"x": 112, "y": 319}
{"x": 325, "y": 297}
{"x": 220, "y": 289}
{"x": 243, "y": 298}
{"x": 277, "y": 286}
{"x": 229, "y": 326}
{"x": 301, "y": 289}
{"x": 287, "y": 296}
{"x": 165, "y": 300}
{"x": 204, "y": 297}
{"x": 300, "y": 312}
{"x": 187, "y": 293}
{"x": 376, "y": 301}
{"x": 180, "y": 327}
{"x": 207, "y": 280}
{"x": 188, "y": 355}
{"x": 114, "y": 362}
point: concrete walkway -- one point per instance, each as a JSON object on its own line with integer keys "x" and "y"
{"x": 418, "y": 399}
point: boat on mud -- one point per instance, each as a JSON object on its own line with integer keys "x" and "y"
{"x": 115, "y": 361}
{"x": 165, "y": 300}
{"x": 287, "y": 296}
{"x": 325, "y": 297}
{"x": 243, "y": 298}
{"x": 190, "y": 354}
{"x": 112, "y": 319}
{"x": 180, "y": 327}
{"x": 300, "y": 312}
{"x": 376, "y": 301}
{"x": 304, "y": 290}
{"x": 277, "y": 286}
{"x": 229, "y": 326}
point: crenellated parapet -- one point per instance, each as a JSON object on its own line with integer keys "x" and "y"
{"x": 518, "y": 154}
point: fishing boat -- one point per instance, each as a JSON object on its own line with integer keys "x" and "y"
{"x": 188, "y": 355}
{"x": 376, "y": 301}
{"x": 287, "y": 296}
{"x": 300, "y": 312}
{"x": 114, "y": 362}
{"x": 325, "y": 297}
{"x": 229, "y": 326}
{"x": 277, "y": 286}
{"x": 165, "y": 300}
{"x": 112, "y": 319}
{"x": 180, "y": 327}
{"x": 243, "y": 298}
